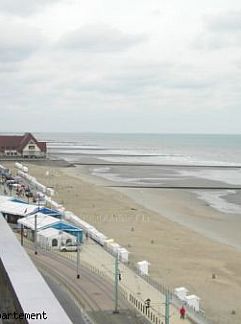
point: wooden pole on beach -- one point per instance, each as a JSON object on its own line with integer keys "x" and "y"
{"x": 116, "y": 311}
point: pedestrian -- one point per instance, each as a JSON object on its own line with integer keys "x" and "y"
{"x": 182, "y": 312}
{"x": 86, "y": 236}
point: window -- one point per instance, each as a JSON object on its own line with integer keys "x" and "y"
{"x": 54, "y": 242}
{"x": 31, "y": 147}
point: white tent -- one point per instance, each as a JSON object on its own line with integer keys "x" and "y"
{"x": 18, "y": 209}
{"x": 4, "y": 199}
{"x": 53, "y": 238}
{"x": 42, "y": 221}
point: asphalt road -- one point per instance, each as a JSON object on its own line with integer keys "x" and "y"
{"x": 64, "y": 299}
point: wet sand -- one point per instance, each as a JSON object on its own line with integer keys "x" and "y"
{"x": 162, "y": 227}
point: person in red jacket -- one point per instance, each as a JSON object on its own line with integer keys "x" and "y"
{"x": 182, "y": 312}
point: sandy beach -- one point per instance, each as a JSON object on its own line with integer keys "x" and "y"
{"x": 171, "y": 229}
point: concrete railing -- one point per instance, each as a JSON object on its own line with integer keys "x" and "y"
{"x": 30, "y": 295}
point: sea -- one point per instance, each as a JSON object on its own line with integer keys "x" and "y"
{"x": 157, "y": 160}
{"x": 175, "y": 149}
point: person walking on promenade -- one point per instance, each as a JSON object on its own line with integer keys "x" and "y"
{"x": 182, "y": 312}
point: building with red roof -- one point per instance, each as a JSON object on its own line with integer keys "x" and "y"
{"x": 25, "y": 146}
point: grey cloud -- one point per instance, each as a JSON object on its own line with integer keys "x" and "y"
{"x": 23, "y": 7}
{"x": 135, "y": 88}
{"x": 158, "y": 77}
{"x": 213, "y": 41}
{"x": 145, "y": 79}
{"x": 8, "y": 67}
{"x": 17, "y": 41}
{"x": 100, "y": 38}
{"x": 220, "y": 31}
{"x": 230, "y": 21}
{"x": 156, "y": 12}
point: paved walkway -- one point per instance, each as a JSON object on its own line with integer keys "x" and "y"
{"x": 95, "y": 295}
{"x": 91, "y": 296}
{"x": 135, "y": 289}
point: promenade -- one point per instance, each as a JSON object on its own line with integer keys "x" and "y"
{"x": 134, "y": 288}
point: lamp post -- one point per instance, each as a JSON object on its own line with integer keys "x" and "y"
{"x": 22, "y": 234}
{"x": 167, "y": 308}
{"x": 35, "y": 235}
{"x": 35, "y": 230}
{"x": 78, "y": 254}
{"x": 116, "y": 311}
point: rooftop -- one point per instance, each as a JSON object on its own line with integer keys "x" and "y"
{"x": 42, "y": 221}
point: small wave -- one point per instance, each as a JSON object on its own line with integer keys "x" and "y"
{"x": 217, "y": 200}
{"x": 101, "y": 170}
{"x": 227, "y": 176}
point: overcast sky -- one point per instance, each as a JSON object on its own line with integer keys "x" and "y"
{"x": 120, "y": 66}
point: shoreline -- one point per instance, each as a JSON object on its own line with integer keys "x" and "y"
{"x": 208, "y": 221}
{"x": 178, "y": 255}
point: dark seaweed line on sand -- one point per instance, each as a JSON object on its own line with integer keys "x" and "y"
{"x": 161, "y": 165}
{"x": 176, "y": 187}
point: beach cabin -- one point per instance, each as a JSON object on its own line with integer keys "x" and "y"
{"x": 113, "y": 248}
{"x": 123, "y": 254}
{"x": 142, "y": 267}
{"x": 181, "y": 293}
{"x": 51, "y": 238}
{"x": 193, "y": 301}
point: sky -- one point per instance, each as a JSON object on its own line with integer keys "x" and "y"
{"x": 120, "y": 66}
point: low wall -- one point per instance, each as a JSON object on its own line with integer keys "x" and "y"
{"x": 23, "y": 289}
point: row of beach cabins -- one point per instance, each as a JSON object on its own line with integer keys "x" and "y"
{"x": 57, "y": 228}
